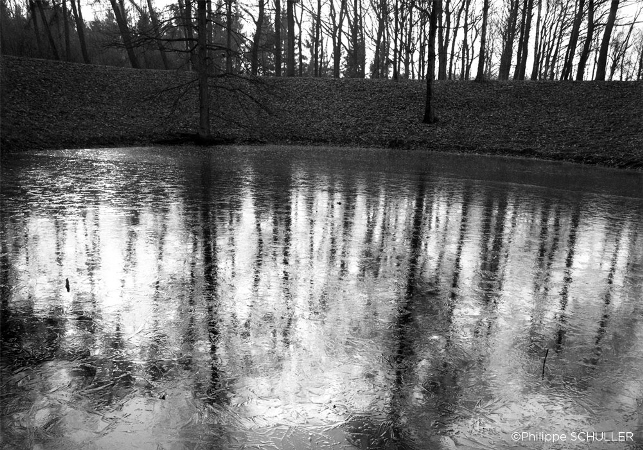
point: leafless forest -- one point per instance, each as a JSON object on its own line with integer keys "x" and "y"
{"x": 519, "y": 39}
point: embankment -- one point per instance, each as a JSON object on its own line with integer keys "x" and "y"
{"x": 49, "y": 104}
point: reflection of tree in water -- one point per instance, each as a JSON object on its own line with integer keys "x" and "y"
{"x": 492, "y": 242}
{"x": 211, "y": 282}
{"x": 607, "y": 299}
{"x": 282, "y": 219}
{"x": 567, "y": 280}
{"x": 542, "y": 276}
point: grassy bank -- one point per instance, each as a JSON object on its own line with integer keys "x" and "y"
{"x": 48, "y": 104}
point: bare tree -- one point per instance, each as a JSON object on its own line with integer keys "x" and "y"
{"x": 290, "y": 49}
{"x": 429, "y": 110}
{"x": 157, "y": 34}
{"x": 66, "y": 27}
{"x": 483, "y": 42}
{"x": 80, "y": 29}
{"x": 121, "y": 21}
{"x": 508, "y": 36}
{"x": 204, "y": 95}
{"x": 277, "y": 38}
{"x": 602, "y": 56}
{"x": 588, "y": 42}
{"x": 45, "y": 24}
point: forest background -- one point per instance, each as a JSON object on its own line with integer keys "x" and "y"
{"x": 519, "y": 39}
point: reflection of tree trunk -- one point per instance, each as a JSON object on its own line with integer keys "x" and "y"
{"x": 259, "y": 256}
{"x": 567, "y": 279}
{"x": 210, "y": 275}
{"x": 349, "y": 206}
{"x": 546, "y": 259}
{"x": 4, "y": 282}
{"x": 190, "y": 336}
{"x": 455, "y": 282}
{"x": 492, "y": 249}
{"x": 607, "y": 298}
{"x": 283, "y": 219}
{"x": 383, "y": 233}
{"x": 405, "y": 315}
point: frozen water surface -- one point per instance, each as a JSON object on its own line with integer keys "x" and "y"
{"x": 311, "y": 298}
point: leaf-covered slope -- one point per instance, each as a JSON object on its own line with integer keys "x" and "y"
{"x": 47, "y": 104}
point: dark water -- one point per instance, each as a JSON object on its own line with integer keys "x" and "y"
{"x": 301, "y": 298}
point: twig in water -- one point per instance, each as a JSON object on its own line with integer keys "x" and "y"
{"x": 544, "y": 361}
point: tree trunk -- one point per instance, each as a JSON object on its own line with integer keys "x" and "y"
{"x": 602, "y": 56}
{"x": 228, "y": 50}
{"x": 300, "y": 28}
{"x": 36, "y": 29}
{"x": 443, "y": 40}
{"x": 290, "y": 50}
{"x": 525, "y": 45}
{"x": 45, "y": 24}
{"x": 400, "y": 45}
{"x": 337, "y": 51}
{"x": 429, "y": 110}
{"x": 355, "y": 41}
{"x": 423, "y": 44}
{"x": 554, "y": 59}
{"x": 521, "y": 39}
{"x": 483, "y": 42}
{"x": 80, "y": 28}
{"x": 508, "y": 38}
{"x": 536, "y": 67}
{"x": 204, "y": 97}
{"x": 455, "y": 33}
{"x": 580, "y": 72}
{"x": 190, "y": 33}
{"x": 254, "y": 63}
{"x": 127, "y": 41}
{"x": 277, "y": 38}
{"x": 157, "y": 34}
{"x": 210, "y": 39}
{"x": 465, "y": 41}
{"x": 188, "y": 42}
{"x": 362, "y": 48}
{"x": 573, "y": 40}
{"x": 317, "y": 37}
{"x": 396, "y": 18}
{"x": 408, "y": 59}
{"x": 66, "y": 25}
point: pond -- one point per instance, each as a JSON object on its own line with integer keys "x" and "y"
{"x": 318, "y": 298}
